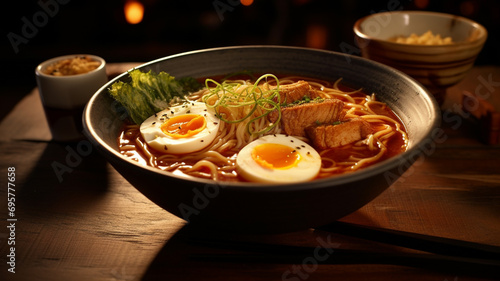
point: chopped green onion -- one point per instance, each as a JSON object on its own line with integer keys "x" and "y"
{"x": 254, "y": 96}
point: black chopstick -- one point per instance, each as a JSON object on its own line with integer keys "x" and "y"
{"x": 253, "y": 252}
{"x": 449, "y": 254}
{"x": 432, "y": 244}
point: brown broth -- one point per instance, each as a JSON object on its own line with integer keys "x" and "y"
{"x": 395, "y": 145}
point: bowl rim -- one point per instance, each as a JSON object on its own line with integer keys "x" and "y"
{"x": 482, "y": 38}
{"x": 44, "y": 64}
{"x": 367, "y": 172}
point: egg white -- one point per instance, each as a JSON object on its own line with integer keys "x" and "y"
{"x": 306, "y": 169}
{"x": 157, "y": 139}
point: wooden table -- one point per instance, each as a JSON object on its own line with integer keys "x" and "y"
{"x": 91, "y": 224}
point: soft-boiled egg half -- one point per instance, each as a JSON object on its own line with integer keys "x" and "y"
{"x": 181, "y": 129}
{"x": 278, "y": 159}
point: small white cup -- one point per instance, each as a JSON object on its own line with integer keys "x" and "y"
{"x": 64, "y": 97}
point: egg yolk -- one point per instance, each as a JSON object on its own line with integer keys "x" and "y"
{"x": 184, "y": 126}
{"x": 275, "y": 156}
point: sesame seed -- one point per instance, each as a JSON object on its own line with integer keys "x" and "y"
{"x": 303, "y": 145}
{"x": 201, "y": 141}
{"x": 165, "y": 147}
{"x": 291, "y": 140}
{"x": 154, "y": 123}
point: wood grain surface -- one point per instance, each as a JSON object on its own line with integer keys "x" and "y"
{"x": 78, "y": 219}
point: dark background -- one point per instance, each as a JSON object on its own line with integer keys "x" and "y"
{"x": 99, "y": 27}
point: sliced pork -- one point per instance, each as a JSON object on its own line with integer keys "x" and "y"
{"x": 290, "y": 93}
{"x": 329, "y": 136}
{"x": 294, "y": 119}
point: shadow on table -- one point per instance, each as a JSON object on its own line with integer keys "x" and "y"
{"x": 65, "y": 176}
{"x": 188, "y": 256}
{"x": 201, "y": 254}
{"x": 175, "y": 260}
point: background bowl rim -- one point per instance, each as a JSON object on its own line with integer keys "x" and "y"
{"x": 367, "y": 172}
{"x": 480, "y": 39}
{"x": 46, "y": 63}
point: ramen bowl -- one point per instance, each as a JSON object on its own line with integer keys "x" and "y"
{"x": 437, "y": 67}
{"x": 269, "y": 208}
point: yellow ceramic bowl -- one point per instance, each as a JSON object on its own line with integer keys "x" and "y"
{"x": 435, "y": 66}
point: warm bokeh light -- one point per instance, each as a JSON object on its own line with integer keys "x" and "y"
{"x": 316, "y": 36}
{"x": 246, "y": 2}
{"x": 468, "y": 8}
{"x": 301, "y": 2}
{"x": 421, "y": 4}
{"x": 134, "y": 11}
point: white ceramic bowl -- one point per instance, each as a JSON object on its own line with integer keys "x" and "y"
{"x": 72, "y": 90}
{"x": 64, "y": 97}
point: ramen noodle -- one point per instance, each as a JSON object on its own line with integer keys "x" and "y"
{"x": 366, "y": 131}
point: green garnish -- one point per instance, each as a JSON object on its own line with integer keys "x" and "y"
{"x": 189, "y": 84}
{"x": 306, "y": 99}
{"x": 333, "y": 123}
{"x": 253, "y": 96}
{"x": 148, "y": 93}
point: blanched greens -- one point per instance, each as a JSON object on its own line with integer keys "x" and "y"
{"x": 147, "y": 92}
